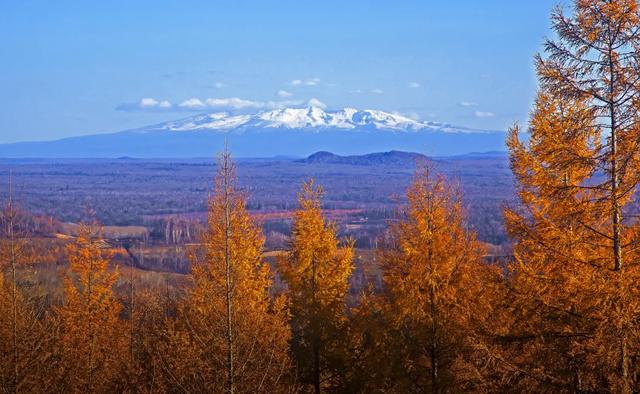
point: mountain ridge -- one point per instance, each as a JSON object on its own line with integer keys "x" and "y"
{"x": 306, "y": 118}
{"x": 284, "y": 132}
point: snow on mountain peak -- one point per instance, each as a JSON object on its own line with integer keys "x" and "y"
{"x": 310, "y": 118}
{"x": 294, "y": 118}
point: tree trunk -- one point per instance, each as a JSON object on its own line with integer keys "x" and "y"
{"x": 624, "y": 367}
{"x": 315, "y": 340}
{"x": 132, "y": 322}
{"x": 615, "y": 206}
{"x": 433, "y": 351}
{"x": 14, "y": 288}
{"x": 229, "y": 295}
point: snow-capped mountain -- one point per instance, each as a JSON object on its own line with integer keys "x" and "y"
{"x": 294, "y": 132}
{"x": 310, "y": 118}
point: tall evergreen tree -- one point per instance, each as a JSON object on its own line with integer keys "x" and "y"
{"x": 24, "y": 340}
{"x": 316, "y": 271}
{"x": 92, "y": 346}
{"x": 437, "y": 291}
{"x": 576, "y": 299}
{"x": 236, "y": 335}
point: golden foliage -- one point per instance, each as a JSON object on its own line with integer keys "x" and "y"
{"x": 316, "y": 271}
{"x": 25, "y": 345}
{"x": 574, "y": 282}
{"x": 438, "y": 292}
{"x": 249, "y": 325}
{"x": 91, "y": 347}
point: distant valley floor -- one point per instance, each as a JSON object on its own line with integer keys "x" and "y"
{"x": 167, "y": 196}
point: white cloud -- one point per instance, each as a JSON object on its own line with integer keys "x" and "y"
{"x": 312, "y": 82}
{"x": 306, "y": 82}
{"x": 355, "y": 91}
{"x": 230, "y": 103}
{"x": 147, "y": 103}
{"x": 192, "y": 103}
{"x": 220, "y": 85}
{"x": 414, "y": 85}
{"x": 314, "y": 102}
{"x": 484, "y": 114}
{"x": 468, "y": 104}
{"x": 283, "y": 94}
{"x": 233, "y": 102}
{"x": 236, "y": 103}
{"x": 377, "y": 91}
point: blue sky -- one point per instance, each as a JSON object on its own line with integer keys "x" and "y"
{"x": 82, "y": 67}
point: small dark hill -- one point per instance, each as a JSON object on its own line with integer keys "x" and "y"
{"x": 394, "y": 158}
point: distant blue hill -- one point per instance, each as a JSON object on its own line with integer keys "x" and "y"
{"x": 290, "y": 132}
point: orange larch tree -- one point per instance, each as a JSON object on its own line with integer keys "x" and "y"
{"x": 23, "y": 339}
{"x": 316, "y": 271}
{"x": 92, "y": 346}
{"x": 576, "y": 269}
{"x": 236, "y": 333}
{"x": 437, "y": 293}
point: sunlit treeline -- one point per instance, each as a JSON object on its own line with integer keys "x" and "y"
{"x": 231, "y": 332}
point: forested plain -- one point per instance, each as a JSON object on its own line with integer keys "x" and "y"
{"x": 560, "y": 312}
